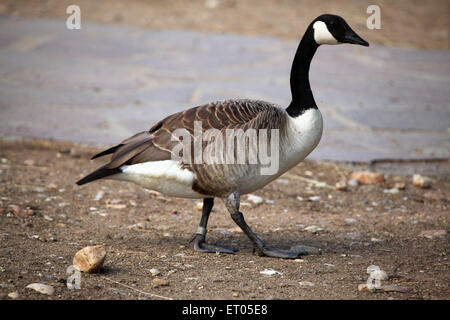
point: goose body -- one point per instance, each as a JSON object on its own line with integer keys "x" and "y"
{"x": 297, "y": 138}
{"x": 152, "y": 158}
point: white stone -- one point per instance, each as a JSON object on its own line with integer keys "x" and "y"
{"x": 154, "y": 271}
{"x": 421, "y": 181}
{"x": 270, "y": 272}
{"x": 99, "y": 195}
{"x": 306, "y": 284}
{"x": 313, "y": 228}
{"x": 41, "y": 288}
{"x": 255, "y": 199}
{"x": 391, "y": 191}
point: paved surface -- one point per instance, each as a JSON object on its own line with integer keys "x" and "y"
{"x": 104, "y": 83}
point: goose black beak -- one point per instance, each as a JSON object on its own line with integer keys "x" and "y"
{"x": 353, "y": 38}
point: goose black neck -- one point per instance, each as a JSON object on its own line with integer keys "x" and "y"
{"x": 302, "y": 97}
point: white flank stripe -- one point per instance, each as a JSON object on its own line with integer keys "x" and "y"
{"x": 164, "y": 176}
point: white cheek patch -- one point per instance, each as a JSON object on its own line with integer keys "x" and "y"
{"x": 322, "y": 35}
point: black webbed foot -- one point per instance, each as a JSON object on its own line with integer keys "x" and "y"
{"x": 200, "y": 245}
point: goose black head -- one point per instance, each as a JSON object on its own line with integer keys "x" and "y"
{"x": 332, "y": 29}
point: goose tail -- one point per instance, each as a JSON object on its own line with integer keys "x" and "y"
{"x": 100, "y": 173}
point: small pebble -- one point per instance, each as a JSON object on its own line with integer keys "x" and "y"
{"x": 212, "y": 4}
{"x": 366, "y": 177}
{"x": 421, "y": 181}
{"x": 352, "y": 236}
{"x": 190, "y": 279}
{"x": 63, "y": 204}
{"x": 158, "y": 282}
{"x": 154, "y": 272}
{"x": 433, "y": 195}
{"x": 255, "y": 199}
{"x": 52, "y": 186}
{"x": 143, "y": 225}
{"x": 90, "y": 259}
{"x": 13, "y": 295}
{"x": 23, "y": 213}
{"x": 29, "y": 162}
{"x": 391, "y": 191}
{"x": 350, "y": 220}
{"x": 100, "y": 194}
{"x": 270, "y": 272}
{"x": 306, "y": 284}
{"x": 42, "y": 288}
{"x": 400, "y": 186}
{"x": 353, "y": 183}
{"x": 116, "y": 206}
{"x": 432, "y": 234}
{"x": 314, "y": 198}
{"x": 341, "y": 186}
{"x": 313, "y": 229}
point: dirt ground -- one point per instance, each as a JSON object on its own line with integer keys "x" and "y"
{"x": 45, "y": 219}
{"x": 412, "y": 23}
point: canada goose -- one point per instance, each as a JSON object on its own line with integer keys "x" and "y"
{"x": 148, "y": 158}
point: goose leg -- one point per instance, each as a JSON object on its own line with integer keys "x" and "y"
{"x": 200, "y": 243}
{"x": 232, "y": 203}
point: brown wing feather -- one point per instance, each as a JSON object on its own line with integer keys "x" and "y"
{"x": 156, "y": 144}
